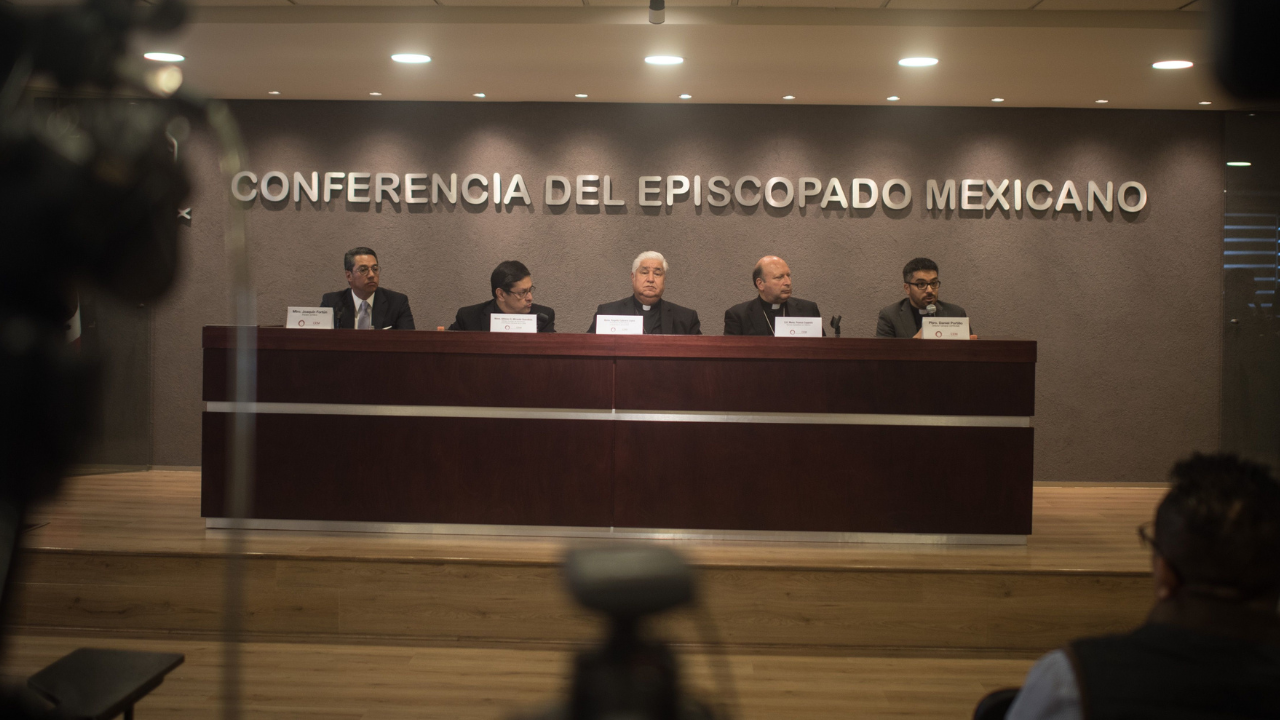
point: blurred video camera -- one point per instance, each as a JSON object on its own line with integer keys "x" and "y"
{"x": 629, "y": 676}
{"x": 89, "y": 192}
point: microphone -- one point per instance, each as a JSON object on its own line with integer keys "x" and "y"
{"x": 932, "y": 309}
{"x": 657, "y": 11}
{"x": 337, "y": 316}
{"x": 835, "y": 323}
{"x": 543, "y": 319}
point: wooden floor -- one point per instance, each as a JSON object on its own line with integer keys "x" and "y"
{"x": 348, "y": 625}
{"x": 344, "y": 682}
{"x": 1075, "y": 528}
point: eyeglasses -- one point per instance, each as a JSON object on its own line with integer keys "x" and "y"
{"x": 922, "y": 285}
{"x": 521, "y": 293}
{"x": 367, "y": 270}
{"x": 1147, "y": 535}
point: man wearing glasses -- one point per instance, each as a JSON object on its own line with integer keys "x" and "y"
{"x": 1210, "y": 647}
{"x": 365, "y": 306}
{"x": 904, "y": 319}
{"x": 512, "y": 286}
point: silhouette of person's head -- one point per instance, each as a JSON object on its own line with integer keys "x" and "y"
{"x": 1217, "y": 532}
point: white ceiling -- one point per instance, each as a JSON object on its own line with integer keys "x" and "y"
{"x": 1033, "y": 53}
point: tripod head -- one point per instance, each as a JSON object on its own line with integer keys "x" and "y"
{"x": 629, "y": 676}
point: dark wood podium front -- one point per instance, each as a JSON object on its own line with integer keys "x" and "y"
{"x": 645, "y": 432}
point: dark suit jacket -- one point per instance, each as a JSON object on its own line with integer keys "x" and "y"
{"x": 675, "y": 320}
{"x": 476, "y": 317}
{"x": 390, "y": 309}
{"x": 748, "y": 318}
{"x": 896, "y": 320}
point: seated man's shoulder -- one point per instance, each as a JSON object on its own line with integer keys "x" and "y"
{"x": 891, "y": 308}
{"x": 806, "y": 306}
{"x": 679, "y": 309}
{"x": 954, "y": 309}
{"x": 740, "y": 308}
{"x": 472, "y": 309}
{"x": 543, "y": 310}
{"x": 612, "y": 308}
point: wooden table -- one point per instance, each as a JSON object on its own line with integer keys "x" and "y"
{"x": 650, "y": 432}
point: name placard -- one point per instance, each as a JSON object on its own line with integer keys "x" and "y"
{"x": 520, "y": 322}
{"x": 619, "y": 324}
{"x": 797, "y": 327}
{"x": 936, "y": 328}
{"x": 309, "y": 318}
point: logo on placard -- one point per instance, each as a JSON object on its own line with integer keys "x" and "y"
{"x": 793, "y": 332}
{"x": 506, "y": 327}
{"x": 302, "y": 323}
{"x": 939, "y": 333}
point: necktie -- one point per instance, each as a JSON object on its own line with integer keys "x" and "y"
{"x": 362, "y": 317}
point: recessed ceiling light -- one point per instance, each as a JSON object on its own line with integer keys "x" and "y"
{"x": 788, "y": 97}
{"x": 413, "y": 58}
{"x": 893, "y": 98}
{"x": 1205, "y": 102}
{"x": 479, "y": 95}
{"x": 918, "y": 62}
{"x": 1102, "y": 102}
{"x": 163, "y": 57}
{"x": 997, "y": 99}
{"x": 375, "y": 94}
{"x": 580, "y": 95}
{"x": 1172, "y": 65}
{"x": 273, "y": 92}
{"x": 1240, "y": 163}
{"x": 686, "y": 96}
{"x": 664, "y": 60}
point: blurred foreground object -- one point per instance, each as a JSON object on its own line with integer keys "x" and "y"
{"x": 89, "y": 193}
{"x": 97, "y": 684}
{"x": 1244, "y": 38}
{"x": 630, "y": 676}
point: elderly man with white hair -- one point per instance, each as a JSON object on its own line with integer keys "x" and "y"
{"x": 648, "y": 280}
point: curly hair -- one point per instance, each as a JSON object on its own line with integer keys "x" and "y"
{"x": 1220, "y": 524}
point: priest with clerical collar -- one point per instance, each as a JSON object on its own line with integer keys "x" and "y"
{"x": 772, "y": 278}
{"x": 661, "y": 317}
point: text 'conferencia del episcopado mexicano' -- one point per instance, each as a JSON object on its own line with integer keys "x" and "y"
{"x": 477, "y": 189}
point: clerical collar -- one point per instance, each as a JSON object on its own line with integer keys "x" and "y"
{"x": 775, "y": 306}
{"x": 645, "y": 308}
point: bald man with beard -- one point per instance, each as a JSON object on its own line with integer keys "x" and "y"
{"x": 772, "y": 279}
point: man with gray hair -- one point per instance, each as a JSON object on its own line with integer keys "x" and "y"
{"x": 648, "y": 280}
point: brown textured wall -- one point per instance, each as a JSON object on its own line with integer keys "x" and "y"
{"x": 1126, "y": 308}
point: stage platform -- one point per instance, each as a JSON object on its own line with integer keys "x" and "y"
{"x": 128, "y": 554}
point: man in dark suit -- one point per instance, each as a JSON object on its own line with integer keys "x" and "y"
{"x": 661, "y": 317}
{"x": 364, "y": 305}
{"x": 1210, "y": 646}
{"x": 904, "y": 319}
{"x": 772, "y": 278}
{"x": 512, "y": 286}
